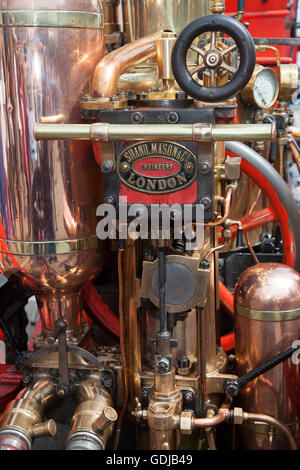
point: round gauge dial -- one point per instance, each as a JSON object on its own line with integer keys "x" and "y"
{"x": 263, "y": 88}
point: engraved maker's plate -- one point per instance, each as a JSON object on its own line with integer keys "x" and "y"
{"x": 157, "y": 167}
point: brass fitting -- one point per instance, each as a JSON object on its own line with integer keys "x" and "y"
{"x": 94, "y": 418}
{"x": 23, "y": 418}
{"x": 217, "y": 6}
{"x": 165, "y": 406}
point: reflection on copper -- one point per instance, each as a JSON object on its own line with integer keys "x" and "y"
{"x": 145, "y": 17}
{"x": 49, "y": 190}
{"x": 112, "y": 65}
{"x": 275, "y": 288}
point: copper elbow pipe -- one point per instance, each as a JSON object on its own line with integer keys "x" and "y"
{"x": 114, "y": 64}
{"x": 273, "y": 422}
{"x": 229, "y": 192}
{"x": 211, "y": 422}
{"x": 222, "y": 415}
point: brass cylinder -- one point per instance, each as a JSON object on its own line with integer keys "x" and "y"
{"x": 184, "y": 132}
{"x": 267, "y": 321}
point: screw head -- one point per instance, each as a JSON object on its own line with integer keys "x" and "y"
{"x": 173, "y": 117}
{"x": 204, "y": 168}
{"x": 107, "y": 383}
{"x": 137, "y": 118}
{"x": 231, "y": 388}
{"x": 206, "y": 202}
{"x": 125, "y": 167}
{"x": 188, "y": 396}
{"x": 205, "y": 264}
{"x": 110, "y": 200}
{"x": 107, "y": 166}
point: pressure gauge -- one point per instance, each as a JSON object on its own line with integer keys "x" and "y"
{"x": 262, "y": 89}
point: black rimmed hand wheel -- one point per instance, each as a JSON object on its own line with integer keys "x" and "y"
{"x": 214, "y": 58}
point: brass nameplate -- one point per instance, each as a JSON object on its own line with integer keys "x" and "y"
{"x": 157, "y": 167}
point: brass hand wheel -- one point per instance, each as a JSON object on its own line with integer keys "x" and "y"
{"x": 214, "y": 58}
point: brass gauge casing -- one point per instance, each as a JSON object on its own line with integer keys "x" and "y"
{"x": 289, "y": 76}
{"x": 249, "y": 95}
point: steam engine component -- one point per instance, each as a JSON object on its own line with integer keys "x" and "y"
{"x": 160, "y": 127}
{"x": 267, "y": 309}
{"x": 49, "y": 190}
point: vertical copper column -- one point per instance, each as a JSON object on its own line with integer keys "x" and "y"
{"x": 49, "y": 190}
{"x": 267, "y": 321}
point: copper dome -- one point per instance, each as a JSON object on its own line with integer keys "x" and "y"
{"x": 268, "y": 286}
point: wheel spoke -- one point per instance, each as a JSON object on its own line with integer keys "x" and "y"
{"x": 198, "y": 69}
{"x": 212, "y": 77}
{"x": 228, "y": 68}
{"x": 229, "y": 49}
{"x": 213, "y": 40}
{"x": 196, "y": 49}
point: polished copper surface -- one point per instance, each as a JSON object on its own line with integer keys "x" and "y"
{"x": 269, "y": 286}
{"x": 145, "y": 17}
{"x": 49, "y": 190}
{"x": 65, "y": 5}
{"x": 112, "y": 65}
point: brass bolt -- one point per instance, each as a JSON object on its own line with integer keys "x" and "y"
{"x": 125, "y": 167}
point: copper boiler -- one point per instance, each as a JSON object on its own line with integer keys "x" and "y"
{"x": 267, "y": 321}
{"x": 49, "y": 190}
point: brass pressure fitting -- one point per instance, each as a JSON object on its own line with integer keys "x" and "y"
{"x": 23, "y": 419}
{"x": 94, "y": 418}
{"x": 217, "y": 6}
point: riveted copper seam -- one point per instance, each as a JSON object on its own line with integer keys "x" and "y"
{"x": 267, "y": 315}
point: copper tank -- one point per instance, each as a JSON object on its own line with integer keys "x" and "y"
{"x": 49, "y": 191}
{"x": 267, "y": 321}
{"x": 144, "y": 17}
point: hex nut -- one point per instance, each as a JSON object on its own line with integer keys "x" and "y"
{"x": 186, "y": 422}
{"x": 238, "y": 416}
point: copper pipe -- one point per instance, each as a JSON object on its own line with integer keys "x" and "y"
{"x": 222, "y": 415}
{"x": 255, "y": 259}
{"x": 114, "y": 64}
{"x": 228, "y": 197}
{"x": 123, "y": 350}
{"x": 295, "y": 152}
{"x": 218, "y": 248}
{"x": 272, "y": 422}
